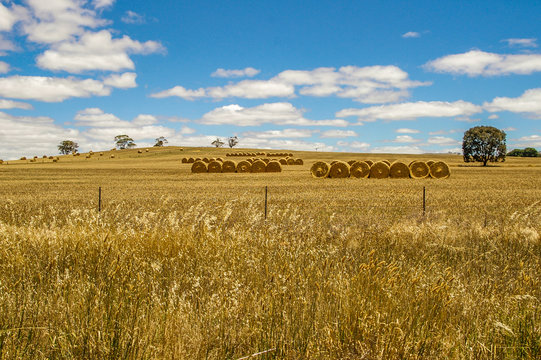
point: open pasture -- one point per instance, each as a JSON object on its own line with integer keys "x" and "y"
{"x": 182, "y": 265}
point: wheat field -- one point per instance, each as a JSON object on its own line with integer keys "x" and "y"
{"x": 185, "y": 266}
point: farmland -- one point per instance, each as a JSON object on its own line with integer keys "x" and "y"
{"x": 182, "y": 265}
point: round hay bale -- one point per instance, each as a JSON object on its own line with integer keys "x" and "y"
{"x": 215, "y": 167}
{"x": 199, "y": 167}
{"x": 50, "y": 158}
{"x": 351, "y": 162}
{"x": 229, "y": 166}
{"x": 339, "y": 170}
{"x": 101, "y": 154}
{"x": 147, "y": 150}
{"x": 112, "y": 156}
{"x": 369, "y": 162}
{"x": 266, "y": 161}
{"x": 191, "y": 160}
{"x": 379, "y": 170}
{"x": 359, "y": 169}
{"x": 290, "y": 161}
{"x": 220, "y": 160}
{"x": 334, "y": 162}
{"x": 184, "y": 160}
{"x": 430, "y": 162}
{"x": 399, "y": 170}
{"x": 139, "y": 151}
{"x": 244, "y": 167}
{"x": 283, "y": 161}
{"x": 259, "y": 166}
{"x": 88, "y": 156}
{"x": 211, "y": 160}
{"x": 387, "y": 162}
{"x": 273, "y": 166}
{"x": 55, "y": 160}
{"x": 197, "y": 159}
{"x": 23, "y": 158}
{"x": 320, "y": 169}
{"x": 419, "y": 170}
{"x": 439, "y": 170}
{"x": 299, "y": 162}
{"x": 206, "y": 160}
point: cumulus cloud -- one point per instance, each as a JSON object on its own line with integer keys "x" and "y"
{"x": 9, "y": 16}
{"x": 411, "y": 111}
{"x": 528, "y": 42}
{"x": 30, "y": 136}
{"x": 131, "y": 17}
{"x": 98, "y": 4}
{"x": 278, "y": 134}
{"x": 272, "y": 113}
{"x": 4, "y": 67}
{"x": 405, "y": 139}
{"x": 528, "y": 141}
{"x": 406, "y": 131}
{"x": 480, "y": 63}
{"x": 10, "y": 104}
{"x": 406, "y": 149}
{"x": 338, "y": 134}
{"x": 443, "y": 141}
{"x": 95, "y": 51}
{"x": 181, "y": 92}
{"x": 529, "y": 103}
{"x": 370, "y": 84}
{"x": 50, "y": 89}
{"x": 411, "y": 34}
{"x": 121, "y": 81}
{"x": 246, "y": 72}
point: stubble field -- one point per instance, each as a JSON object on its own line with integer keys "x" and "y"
{"x": 185, "y": 266}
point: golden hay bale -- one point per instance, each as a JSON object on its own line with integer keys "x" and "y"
{"x": 369, "y": 162}
{"x": 215, "y": 167}
{"x": 211, "y": 160}
{"x": 379, "y": 170}
{"x": 259, "y": 166}
{"x": 387, "y": 162}
{"x": 266, "y": 161}
{"x": 273, "y": 166}
{"x": 351, "y": 162}
{"x": 359, "y": 169}
{"x": 55, "y": 160}
{"x": 283, "y": 161}
{"x": 334, "y": 162}
{"x": 439, "y": 170}
{"x": 299, "y": 162}
{"x": 112, "y": 156}
{"x": 199, "y": 167}
{"x": 229, "y": 166}
{"x": 339, "y": 170}
{"x": 250, "y": 160}
{"x": 147, "y": 150}
{"x": 419, "y": 170}
{"x": 206, "y": 160}
{"x": 184, "y": 160}
{"x": 320, "y": 169}
{"x": 44, "y": 156}
{"x": 191, "y": 160}
{"x": 290, "y": 161}
{"x": 399, "y": 170}
{"x": 51, "y": 157}
{"x": 430, "y": 162}
{"x": 220, "y": 159}
{"x": 244, "y": 167}
{"x": 88, "y": 156}
{"x": 101, "y": 154}
{"x": 23, "y": 158}
{"x": 139, "y": 151}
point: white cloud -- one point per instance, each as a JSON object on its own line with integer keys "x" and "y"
{"x": 31, "y": 136}
{"x": 370, "y": 84}
{"x": 357, "y": 145}
{"x": 98, "y": 4}
{"x": 493, "y": 116}
{"x": 406, "y": 131}
{"x": 249, "y": 72}
{"x": 121, "y": 81}
{"x": 405, "y": 139}
{"x": 274, "y": 113}
{"x": 278, "y": 134}
{"x": 131, "y": 17}
{"x": 181, "y": 92}
{"x": 528, "y": 103}
{"x": 411, "y": 34}
{"x": 480, "y": 63}
{"x": 50, "y": 89}
{"x": 443, "y": 141}
{"x": 510, "y": 128}
{"x": 95, "y": 51}
{"x": 185, "y": 130}
{"x": 529, "y": 141}
{"x": 408, "y": 149}
{"x": 8, "y": 18}
{"x": 338, "y": 134}
{"x": 4, "y": 67}
{"x": 528, "y": 42}
{"x": 10, "y": 104}
{"x": 411, "y": 111}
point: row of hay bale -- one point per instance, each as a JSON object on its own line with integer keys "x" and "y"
{"x": 245, "y": 154}
{"x": 381, "y": 169}
{"x": 283, "y": 161}
{"x": 279, "y": 154}
{"x": 230, "y": 166}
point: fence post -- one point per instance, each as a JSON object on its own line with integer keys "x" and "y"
{"x": 424, "y": 201}
{"x": 99, "y": 199}
{"x": 266, "y": 190}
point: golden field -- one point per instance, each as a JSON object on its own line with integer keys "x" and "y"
{"x": 184, "y": 266}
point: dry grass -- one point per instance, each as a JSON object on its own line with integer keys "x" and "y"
{"x": 181, "y": 265}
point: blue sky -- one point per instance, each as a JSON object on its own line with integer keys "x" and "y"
{"x": 361, "y": 76}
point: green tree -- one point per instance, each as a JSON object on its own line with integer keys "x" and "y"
{"x": 218, "y": 142}
{"x": 530, "y": 152}
{"x": 161, "y": 141}
{"x": 124, "y": 142}
{"x": 516, "y": 152}
{"x": 232, "y": 141}
{"x": 68, "y": 147}
{"x": 484, "y": 144}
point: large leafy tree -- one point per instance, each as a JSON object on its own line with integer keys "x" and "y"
{"x": 68, "y": 147}
{"x": 124, "y": 142}
{"x": 484, "y": 144}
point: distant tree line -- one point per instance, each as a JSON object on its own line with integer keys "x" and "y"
{"x": 527, "y": 152}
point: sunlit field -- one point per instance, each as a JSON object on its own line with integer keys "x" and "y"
{"x": 186, "y": 266}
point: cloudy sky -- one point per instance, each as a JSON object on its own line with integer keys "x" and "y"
{"x": 362, "y": 76}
